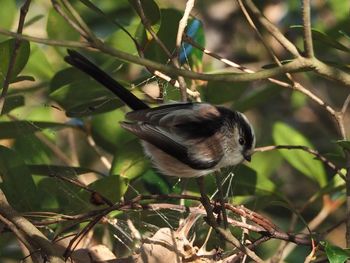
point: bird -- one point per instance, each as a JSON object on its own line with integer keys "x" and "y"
{"x": 182, "y": 139}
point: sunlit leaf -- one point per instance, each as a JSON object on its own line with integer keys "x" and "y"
{"x": 155, "y": 183}
{"x": 246, "y": 181}
{"x": 111, "y": 187}
{"x": 300, "y": 160}
{"x": 130, "y": 161}
{"x": 335, "y": 254}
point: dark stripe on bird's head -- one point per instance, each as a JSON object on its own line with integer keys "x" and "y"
{"x": 238, "y": 120}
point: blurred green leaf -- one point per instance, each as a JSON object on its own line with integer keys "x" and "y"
{"x": 265, "y": 163}
{"x": 167, "y": 34}
{"x": 33, "y": 20}
{"x": 256, "y": 98}
{"x": 32, "y": 150}
{"x": 335, "y": 254}
{"x": 17, "y": 182}
{"x": 130, "y": 161}
{"x": 38, "y": 63}
{"x": 13, "y": 129}
{"x": 59, "y": 170}
{"x": 13, "y": 102}
{"x": 155, "y": 183}
{"x": 246, "y": 181}
{"x": 62, "y": 197}
{"x": 58, "y": 28}
{"x": 301, "y": 160}
{"x": 23, "y": 78}
{"x": 151, "y": 11}
{"x": 6, "y": 49}
{"x": 7, "y": 11}
{"x": 323, "y": 38}
{"x": 298, "y": 100}
{"x": 108, "y": 133}
{"x": 111, "y": 187}
{"x": 344, "y": 144}
{"x": 218, "y": 92}
{"x": 81, "y": 96}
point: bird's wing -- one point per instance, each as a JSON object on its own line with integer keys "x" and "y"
{"x": 195, "y": 153}
{"x": 187, "y": 120}
{"x": 186, "y": 131}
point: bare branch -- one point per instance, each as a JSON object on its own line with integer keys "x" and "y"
{"x": 272, "y": 29}
{"x": 308, "y": 45}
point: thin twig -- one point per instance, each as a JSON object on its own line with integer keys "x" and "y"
{"x": 272, "y": 29}
{"x": 72, "y": 23}
{"x": 306, "y": 149}
{"x": 183, "y": 24}
{"x": 37, "y": 239}
{"x": 13, "y": 56}
{"x": 175, "y": 62}
{"x": 308, "y": 45}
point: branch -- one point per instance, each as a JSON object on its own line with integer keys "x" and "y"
{"x": 12, "y": 62}
{"x": 272, "y": 29}
{"x": 308, "y": 46}
{"x": 36, "y": 239}
{"x": 306, "y": 149}
{"x": 175, "y": 62}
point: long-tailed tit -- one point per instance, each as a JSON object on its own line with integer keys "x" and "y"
{"x": 182, "y": 139}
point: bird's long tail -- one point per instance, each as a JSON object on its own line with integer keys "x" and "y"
{"x": 77, "y": 60}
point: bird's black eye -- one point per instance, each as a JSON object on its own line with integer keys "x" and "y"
{"x": 241, "y": 141}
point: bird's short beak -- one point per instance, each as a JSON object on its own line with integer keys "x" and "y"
{"x": 248, "y": 157}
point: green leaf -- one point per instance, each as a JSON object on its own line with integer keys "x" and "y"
{"x": 81, "y": 96}
{"x": 345, "y": 145}
{"x": 167, "y": 34}
{"x": 130, "y": 161}
{"x": 323, "y": 38}
{"x": 60, "y": 170}
{"x": 6, "y": 49}
{"x": 17, "y": 182}
{"x": 155, "y": 183}
{"x": 23, "y": 78}
{"x": 108, "y": 133}
{"x": 38, "y": 63}
{"x": 151, "y": 11}
{"x": 246, "y": 181}
{"x": 13, "y": 102}
{"x": 335, "y": 254}
{"x": 58, "y": 28}
{"x": 13, "y": 129}
{"x": 62, "y": 197}
{"x": 300, "y": 160}
{"x": 111, "y": 187}
{"x": 257, "y": 98}
{"x": 7, "y": 11}
{"x": 218, "y": 92}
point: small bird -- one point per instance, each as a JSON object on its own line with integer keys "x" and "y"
{"x": 182, "y": 139}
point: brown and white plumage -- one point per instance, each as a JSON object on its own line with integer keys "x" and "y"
{"x": 182, "y": 139}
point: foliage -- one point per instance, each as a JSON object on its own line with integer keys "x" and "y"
{"x": 64, "y": 154}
